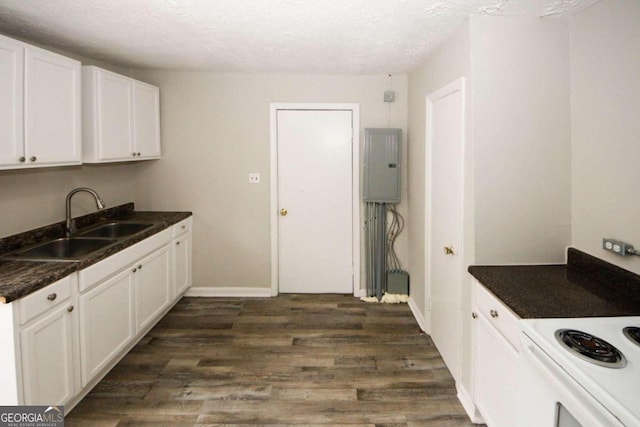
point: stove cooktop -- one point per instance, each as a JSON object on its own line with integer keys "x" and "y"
{"x": 633, "y": 333}
{"x": 616, "y": 389}
{"x": 591, "y": 348}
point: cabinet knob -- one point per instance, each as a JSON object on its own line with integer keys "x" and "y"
{"x": 139, "y": 154}
{"x": 474, "y": 314}
{"x": 70, "y": 309}
{"x": 183, "y": 226}
{"x": 448, "y": 250}
{"x": 52, "y": 297}
{"x": 139, "y": 266}
{"x": 33, "y": 158}
{"x": 134, "y": 154}
{"x": 22, "y": 159}
{"x": 493, "y": 313}
{"x": 177, "y": 243}
{"x": 134, "y": 270}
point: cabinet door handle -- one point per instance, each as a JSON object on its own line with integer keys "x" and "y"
{"x": 33, "y": 158}
{"x": 134, "y": 270}
{"x": 22, "y": 159}
{"x": 140, "y": 267}
{"x": 474, "y": 314}
{"x": 52, "y": 297}
{"x": 70, "y": 309}
{"x": 493, "y": 313}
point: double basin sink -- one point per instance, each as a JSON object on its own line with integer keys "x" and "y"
{"x": 82, "y": 244}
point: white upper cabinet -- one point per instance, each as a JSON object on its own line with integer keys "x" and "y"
{"x": 121, "y": 117}
{"x": 39, "y": 107}
{"x": 146, "y": 119}
{"x": 114, "y": 127}
{"x": 52, "y": 109}
{"x": 11, "y": 101}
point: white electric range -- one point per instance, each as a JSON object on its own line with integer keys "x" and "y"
{"x": 565, "y": 387}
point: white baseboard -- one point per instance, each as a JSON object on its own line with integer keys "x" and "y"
{"x": 418, "y": 316}
{"x": 228, "y": 292}
{"x": 467, "y": 403}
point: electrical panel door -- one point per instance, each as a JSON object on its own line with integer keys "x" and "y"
{"x": 382, "y": 165}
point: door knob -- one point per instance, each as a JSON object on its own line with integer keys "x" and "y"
{"x": 448, "y": 250}
{"x": 283, "y": 212}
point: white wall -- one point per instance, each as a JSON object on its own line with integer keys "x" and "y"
{"x": 521, "y": 135}
{"x": 517, "y": 165}
{"x": 34, "y": 198}
{"x": 605, "y": 124}
{"x": 215, "y": 130}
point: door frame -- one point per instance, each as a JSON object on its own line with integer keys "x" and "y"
{"x": 457, "y": 85}
{"x": 355, "y": 181}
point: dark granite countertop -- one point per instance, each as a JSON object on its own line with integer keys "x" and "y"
{"x": 20, "y": 278}
{"x": 585, "y": 287}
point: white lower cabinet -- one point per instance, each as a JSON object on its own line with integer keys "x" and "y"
{"x": 48, "y": 357}
{"x": 181, "y": 257}
{"x": 152, "y": 285}
{"x": 495, "y": 355}
{"x": 106, "y": 323}
{"x": 58, "y": 342}
{"x": 119, "y": 297}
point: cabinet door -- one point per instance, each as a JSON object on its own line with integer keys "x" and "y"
{"x": 495, "y": 375}
{"x": 146, "y": 120}
{"x": 182, "y": 264}
{"x": 115, "y": 127}
{"x": 106, "y": 323}
{"x": 152, "y": 286}
{"x": 11, "y": 102}
{"x": 52, "y": 109}
{"x": 47, "y": 358}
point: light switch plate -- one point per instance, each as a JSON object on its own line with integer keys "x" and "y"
{"x": 254, "y": 178}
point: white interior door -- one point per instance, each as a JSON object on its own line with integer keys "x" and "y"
{"x": 445, "y": 121}
{"x": 315, "y": 197}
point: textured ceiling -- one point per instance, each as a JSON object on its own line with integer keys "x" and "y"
{"x": 301, "y": 36}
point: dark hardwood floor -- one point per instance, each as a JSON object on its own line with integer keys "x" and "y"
{"x": 290, "y": 360}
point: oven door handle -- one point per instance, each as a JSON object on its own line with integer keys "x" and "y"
{"x": 585, "y": 408}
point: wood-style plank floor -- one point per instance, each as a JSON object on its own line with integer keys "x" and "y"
{"x": 298, "y": 360}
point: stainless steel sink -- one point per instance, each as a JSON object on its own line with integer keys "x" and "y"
{"x": 69, "y": 249}
{"x": 115, "y": 230}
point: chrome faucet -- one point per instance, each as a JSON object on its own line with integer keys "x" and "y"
{"x": 70, "y": 225}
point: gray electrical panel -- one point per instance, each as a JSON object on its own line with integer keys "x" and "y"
{"x": 382, "y": 165}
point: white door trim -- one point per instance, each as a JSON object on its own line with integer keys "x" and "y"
{"x": 355, "y": 169}
{"x": 455, "y": 86}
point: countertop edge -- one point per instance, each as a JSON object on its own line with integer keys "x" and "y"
{"x": 561, "y": 290}
{"x": 46, "y": 273}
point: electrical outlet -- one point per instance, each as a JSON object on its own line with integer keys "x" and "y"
{"x": 617, "y": 247}
{"x": 254, "y": 178}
